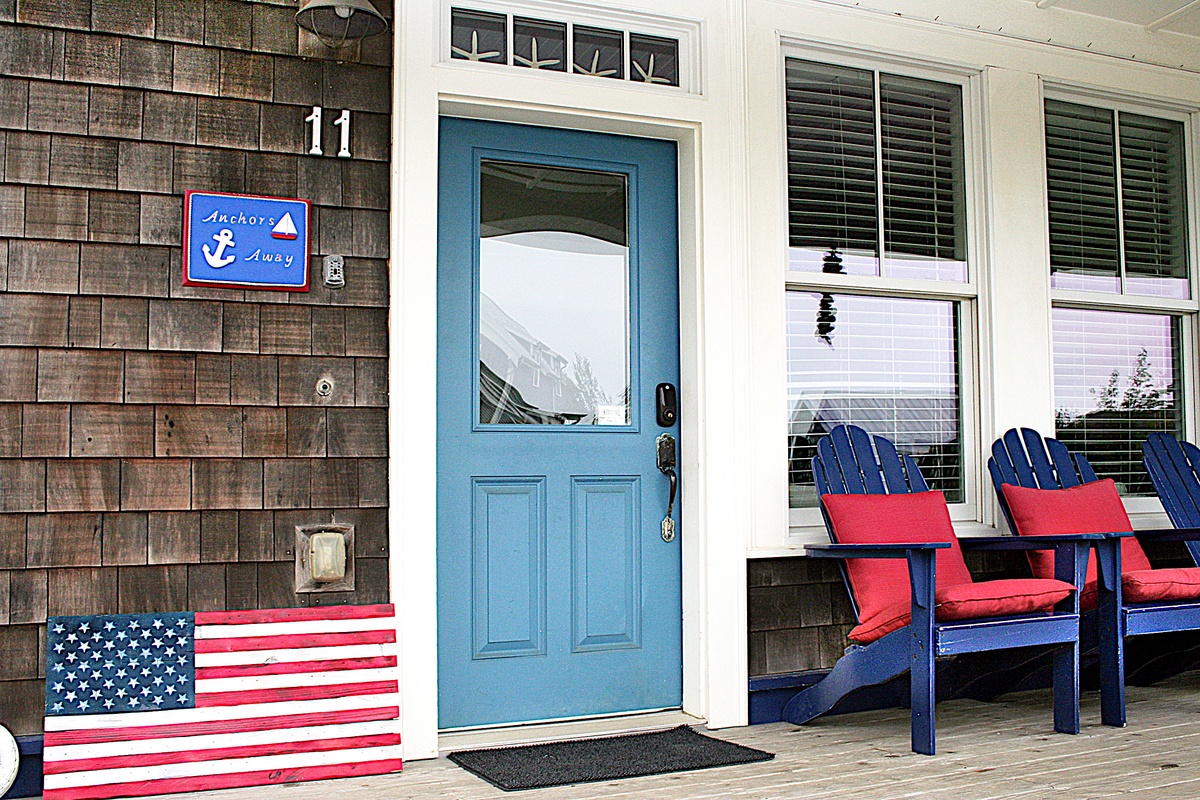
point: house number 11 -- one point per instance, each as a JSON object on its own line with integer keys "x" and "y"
{"x": 342, "y": 122}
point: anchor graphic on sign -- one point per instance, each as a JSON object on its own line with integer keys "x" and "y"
{"x": 223, "y": 239}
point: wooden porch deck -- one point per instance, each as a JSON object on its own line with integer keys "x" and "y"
{"x": 1006, "y": 749}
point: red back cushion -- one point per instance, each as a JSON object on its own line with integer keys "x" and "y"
{"x": 882, "y": 583}
{"x": 1091, "y": 508}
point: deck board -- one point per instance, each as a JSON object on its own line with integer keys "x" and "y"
{"x": 1005, "y": 750}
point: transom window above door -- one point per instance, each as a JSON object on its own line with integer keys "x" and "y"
{"x": 557, "y": 37}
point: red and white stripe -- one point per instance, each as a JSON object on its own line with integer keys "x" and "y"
{"x": 281, "y": 696}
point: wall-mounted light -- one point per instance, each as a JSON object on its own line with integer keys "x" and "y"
{"x": 337, "y": 22}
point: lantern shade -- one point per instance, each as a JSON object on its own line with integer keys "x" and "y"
{"x": 340, "y": 21}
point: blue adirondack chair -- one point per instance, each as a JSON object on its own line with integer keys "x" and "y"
{"x": 1024, "y": 458}
{"x": 1172, "y": 466}
{"x": 850, "y": 461}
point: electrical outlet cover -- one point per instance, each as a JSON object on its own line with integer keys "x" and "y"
{"x": 325, "y": 535}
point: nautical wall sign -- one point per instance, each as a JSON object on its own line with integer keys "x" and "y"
{"x": 245, "y": 242}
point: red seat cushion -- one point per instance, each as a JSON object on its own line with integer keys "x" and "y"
{"x": 1091, "y": 508}
{"x": 1160, "y": 585}
{"x": 970, "y": 601}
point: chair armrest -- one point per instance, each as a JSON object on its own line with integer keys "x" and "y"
{"x": 1169, "y": 534}
{"x": 898, "y": 550}
{"x": 1030, "y": 542}
{"x": 921, "y": 558}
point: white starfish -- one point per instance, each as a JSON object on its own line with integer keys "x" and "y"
{"x": 648, "y": 75}
{"x": 595, "y": 68}
{"x": 474, "y": 54}
{"x": 533, "y": 62}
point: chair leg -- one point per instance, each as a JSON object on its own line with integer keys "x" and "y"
{"x": 1066, "y": 688}
{"x": 922, "y": 673}
{"x": 923, "y": 692}
{"x": 1111, "y": 634}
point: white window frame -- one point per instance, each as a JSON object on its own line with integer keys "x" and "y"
{"x": 1188, "y": 310}
{"x": 966, "y": 294}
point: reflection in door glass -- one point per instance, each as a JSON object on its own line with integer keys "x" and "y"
{"x": 553, "y": 296}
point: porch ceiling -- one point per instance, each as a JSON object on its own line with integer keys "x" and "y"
{"x": 1162, "y": 32}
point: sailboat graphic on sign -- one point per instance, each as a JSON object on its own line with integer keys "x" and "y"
{"x": 285, "y": 228}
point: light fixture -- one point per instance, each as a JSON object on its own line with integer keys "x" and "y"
{"x": 336, "y": 22}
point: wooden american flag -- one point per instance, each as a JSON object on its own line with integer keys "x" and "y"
{"x": 140, "y": 704}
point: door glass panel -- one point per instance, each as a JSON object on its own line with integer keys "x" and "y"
{"x": 553, "y": 296}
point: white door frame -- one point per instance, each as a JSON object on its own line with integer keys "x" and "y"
{"x": 714, "y": 591}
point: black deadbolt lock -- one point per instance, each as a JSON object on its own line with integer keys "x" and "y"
{"x": 666, "y": 405}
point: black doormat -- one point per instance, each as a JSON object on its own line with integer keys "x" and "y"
{"x": 603, "y": 759}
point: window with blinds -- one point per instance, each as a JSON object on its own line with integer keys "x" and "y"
{"x": 1117, "y": 379}
{"x": 876, "y": 182}
{"x": 1117, "y": 225}
{"x": 1117, "y": 203}
{"x": 887, "y": 364}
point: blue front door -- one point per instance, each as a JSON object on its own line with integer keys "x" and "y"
{"x": 558, "y": 595}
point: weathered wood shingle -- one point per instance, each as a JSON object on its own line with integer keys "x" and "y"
{"x": 83, "y": 484}
{"x": 63, "y": 540}
{"x": 145, "y": 167}
{"x": 112, "y": 431}
{"x": 114, "y": 113}
{"x": 124, "y": 539}
{"x": 146, "y": 64}
{"x": 264, "y": 432}
{"x": 14, "y": 102}
{"x": 58, "y": 107}
{"x": 119, "y": 16}
{"x": 226, "y": 123}
{"x": 173, "y": 537}
{"x": 180, "y": 21}
{"x": 227, "y": 483}
{"x": 58, "y": 13}
{"x": 80, "y": 376}
{"x": 33, "y": 320}
{"x": 185, "y": 325}
{"x": 160, "y": 377}
{"x": 55, "y": 213}
{"x": 27, "y": 157}
{"x": 198, "y": 431}
{"x": 45, "y": 430}
{"x": 91, "y": 58}
{"x": 123, "y": 270}
{"x": 83, "y": 322}
{"x": 149, "y": 484}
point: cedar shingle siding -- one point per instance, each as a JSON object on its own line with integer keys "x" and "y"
{"x": 159, "y": 443}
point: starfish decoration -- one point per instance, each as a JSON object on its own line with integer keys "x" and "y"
{"x": 648, "y": 74}
{"x": 533, "y": 62}
{"x": 474, "y": 54}
{"x": 595, "y": 70}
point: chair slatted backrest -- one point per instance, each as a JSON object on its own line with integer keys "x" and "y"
{"x": 1024, "y": 458}
{"x": 1173, "y": 469}
{"x": 851, "y": 461}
